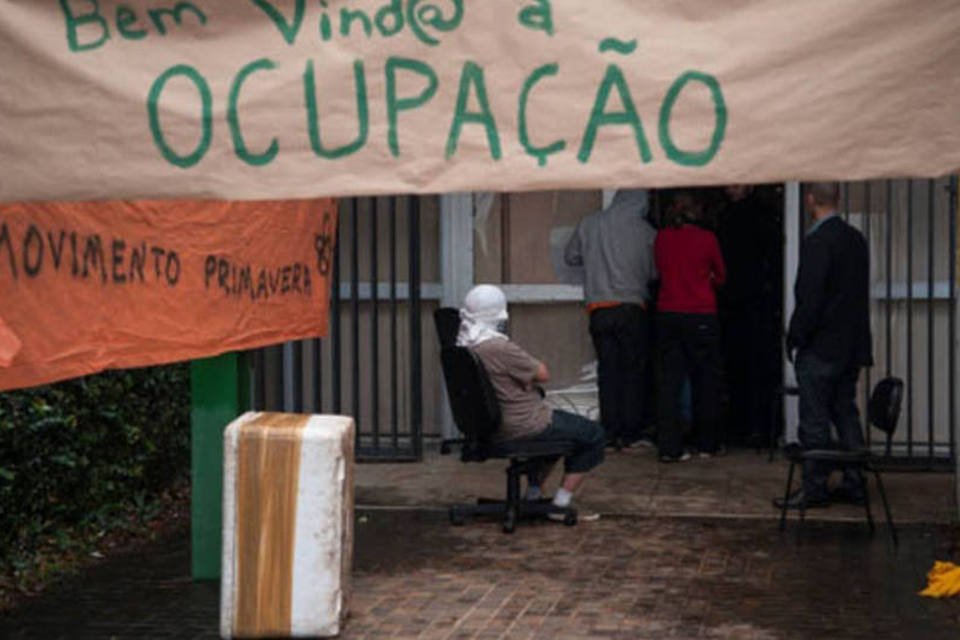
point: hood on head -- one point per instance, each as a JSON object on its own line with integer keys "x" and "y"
{"x": 637, "y": 200}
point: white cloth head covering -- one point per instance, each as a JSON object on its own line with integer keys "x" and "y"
{"x": 484, "y": 310}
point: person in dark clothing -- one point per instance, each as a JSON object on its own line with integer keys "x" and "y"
{"x": 749, "y": 237}
{"x": 615, "y": 247}
{"x": 828, "y": 342}
{"x": 691, "y": 268}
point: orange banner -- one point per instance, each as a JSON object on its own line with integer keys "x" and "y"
{"x": 91, "y": 286}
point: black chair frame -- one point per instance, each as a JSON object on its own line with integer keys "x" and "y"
{"x": 476, "y": 412}
{"x": 512, "y": 510}
{"x": 883, "y": 412}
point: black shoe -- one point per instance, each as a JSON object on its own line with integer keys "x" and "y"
{"x": 799, "y": 500}
{"x": 848, "y": 495}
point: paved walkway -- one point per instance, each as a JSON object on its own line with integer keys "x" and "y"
{"x": 684, "y": 551}
{"x": 417, "y": 577}
{"x": 739, "y": 485}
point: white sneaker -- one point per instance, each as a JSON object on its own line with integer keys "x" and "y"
{"x": 582, "y": 516}
{"x": 587, "y": 516}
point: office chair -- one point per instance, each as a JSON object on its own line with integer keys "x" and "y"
{"x": 476, "y": 412}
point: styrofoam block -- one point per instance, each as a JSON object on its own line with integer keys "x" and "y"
{"x": 287, "y": 525}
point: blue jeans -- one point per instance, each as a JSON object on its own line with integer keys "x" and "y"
{"x": 586, "y": 436}
{"x": 827, "y": 395}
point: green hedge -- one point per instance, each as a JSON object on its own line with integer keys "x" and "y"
{"x": 85, "y": 451}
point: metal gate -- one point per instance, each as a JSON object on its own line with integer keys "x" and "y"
{"x": 911, "y": 228}
{"x": 370, "y": 367}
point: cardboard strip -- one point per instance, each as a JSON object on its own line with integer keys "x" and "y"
{"x": 268, "y": 473}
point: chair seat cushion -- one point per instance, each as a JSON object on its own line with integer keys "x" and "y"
{"x": 525, "y": 449}
{"x": 834, "y": 455}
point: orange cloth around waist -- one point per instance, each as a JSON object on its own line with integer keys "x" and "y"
{"x": 608, "y": 304}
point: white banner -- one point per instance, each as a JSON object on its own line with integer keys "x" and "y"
{"x": 252, "y": 99}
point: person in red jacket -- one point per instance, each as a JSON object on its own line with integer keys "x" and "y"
{"x": 691, "y": 269}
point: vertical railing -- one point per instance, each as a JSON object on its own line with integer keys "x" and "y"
{"x": 354, "y": 380}
{"x": 931, "y": 327}
{"x": 355, "y": 310}
{"x": 394, "y": 348}
{"x": 952, "y": 315}
{"x": 909, "y": 390}
{"x": 914, "y": 310}
{"x": 374, "y": 327}
{"x": 889, "y": 297}
{"x": 416, "y": 358}
{"x": 336, "y": 327}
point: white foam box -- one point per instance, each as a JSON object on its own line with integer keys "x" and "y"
{"x": 287, "y": 526}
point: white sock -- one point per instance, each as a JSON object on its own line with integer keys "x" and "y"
{"x": 562, "y": 498}
{"x": 534, "y": 492}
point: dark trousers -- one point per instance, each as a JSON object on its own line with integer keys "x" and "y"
{"x": 827, "y": 395}
{"x": 583, "y": 434}
{"x": 750, "y": 378}
{"x": 688, "y": 345}
{"x": 620, "y": 337}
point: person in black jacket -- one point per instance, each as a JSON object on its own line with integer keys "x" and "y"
{"x": 828, "y": 342}
{"x": 750, "y": 235}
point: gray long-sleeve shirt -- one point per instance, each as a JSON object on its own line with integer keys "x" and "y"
{"x": 615, "y": 247}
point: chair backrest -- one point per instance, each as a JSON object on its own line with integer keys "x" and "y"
{"x": 447, "y": 321}
{"x": 883, "y": 410}
{"x": 473, "y": 400}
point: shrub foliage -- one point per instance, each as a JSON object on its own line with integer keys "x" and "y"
{"x": 84, "y": 451}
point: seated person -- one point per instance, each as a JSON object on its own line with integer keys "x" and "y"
{"x": 525, "y": 415}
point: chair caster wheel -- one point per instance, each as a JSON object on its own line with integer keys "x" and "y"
{"x": 570, "y": 519}
{"x": 510, "y": 521}
{"x": 457, "y": 518}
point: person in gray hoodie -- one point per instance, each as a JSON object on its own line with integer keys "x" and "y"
{"x": 615, "y": 248}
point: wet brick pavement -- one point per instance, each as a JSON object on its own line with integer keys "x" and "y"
{"x": 417, "y": 577}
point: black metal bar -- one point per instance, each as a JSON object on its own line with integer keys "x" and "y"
{"x": 931, "y": 282}
{"x": 416, "y": 358}
{"x": 909, "y": 390}
{"x": 505, "y": 238}
{"x": 336, "y": 330}
{"x": 297, "y": 380}
{"x": 259, "y": 381}
{"x": 336, "y": 333}
{"x": 867, "y": 215}
{"x": 275, "y": 400}
{"x": 889, "y": 238}
{"x": 374, "y": 327}
{"x": 355, "y": 313}
{"x": 951, "y": 330}
{"x": 317, "y": 375}
{"x": 394, "y": 355}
